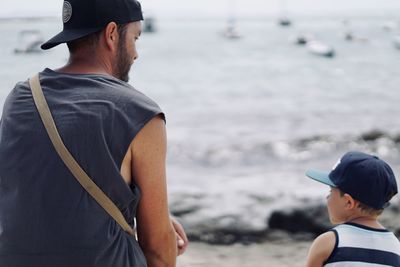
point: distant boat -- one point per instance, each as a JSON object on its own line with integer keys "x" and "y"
{"x": 231, "y": 31}
{"x": 390, "y": 26}
{"x": 320, "y": 49}
{"x": 29, "y": 41}
{"x": 284, "y": 21}
{"x": 149, "y": 24}
{"x": 396, "y": 41}
{"x": 349, "y": 35}
{"x": 301, "y": 39}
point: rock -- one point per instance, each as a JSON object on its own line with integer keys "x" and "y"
{"x": 277, "y": 235}
{"x": 224, "y": 230}
{"x": 227, "y": 236}
{"x": 390, "y": 218}
{"x": 183, "y": 204}
{"x": 372, "y": 135}
{"x": 396, "y": 138}
{"x": 183, "y": 210}
{"x": 300, "y": 223}
{"x": 312, "y": 219}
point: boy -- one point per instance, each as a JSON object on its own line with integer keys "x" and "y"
{"x": 361, "y": 187}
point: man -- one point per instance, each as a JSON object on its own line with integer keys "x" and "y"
{"x": 114, "y": 132}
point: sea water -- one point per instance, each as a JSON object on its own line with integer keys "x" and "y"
{"x": 247, "y": 117}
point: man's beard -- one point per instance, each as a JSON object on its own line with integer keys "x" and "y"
{"x": 123, "y": 63}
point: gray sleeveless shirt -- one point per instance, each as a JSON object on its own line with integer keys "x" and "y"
{"x": 46, "y": 217}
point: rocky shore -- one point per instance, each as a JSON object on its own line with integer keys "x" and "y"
{"x": 284, "y": 242}
{"x": 302, "y": 223}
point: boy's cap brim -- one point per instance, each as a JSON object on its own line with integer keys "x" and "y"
{"x": 320, "y": 176}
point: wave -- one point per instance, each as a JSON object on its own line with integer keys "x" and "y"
{"x": 253, "y": 153}
{"x": 227, "y": 193}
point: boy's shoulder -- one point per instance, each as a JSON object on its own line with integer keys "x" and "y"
{"x": 326, "y": 242}
{"x": 321, "y": 248}
{"x": 350, "y": 237}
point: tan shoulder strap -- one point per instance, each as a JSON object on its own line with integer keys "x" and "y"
{"x": 69, "y": 160}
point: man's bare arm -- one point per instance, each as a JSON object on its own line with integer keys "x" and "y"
{"x": 156, "y": 234}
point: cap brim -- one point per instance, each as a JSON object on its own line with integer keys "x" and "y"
{"x": 67, "y": 36}
{"x": 320, "y": 176}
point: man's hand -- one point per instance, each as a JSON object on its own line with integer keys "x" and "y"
{"x": 182, "y": 241}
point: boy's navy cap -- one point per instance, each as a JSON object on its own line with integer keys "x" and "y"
{"x": 83, "y": 17}
{"x": 366, "y": 178}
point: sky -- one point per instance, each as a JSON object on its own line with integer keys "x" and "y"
{"x": 218, "y": 8}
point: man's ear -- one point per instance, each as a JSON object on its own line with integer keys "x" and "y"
{"x": 350, "y": 202}
{"x": 111, "y": 36}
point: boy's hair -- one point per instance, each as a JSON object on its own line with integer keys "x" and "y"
{"x": 365, "y": 208}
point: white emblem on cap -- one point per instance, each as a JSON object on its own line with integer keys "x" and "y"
{"x": 67, "y": 11}
{"x": 337, "y": 163}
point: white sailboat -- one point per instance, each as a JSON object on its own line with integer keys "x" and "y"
{"x": 231, "y": 31}
{"x": 396, "y": 41}
{"x": 283, "y": 19}
{"x": 349, "y": 34}
{"x": 390, "y": 26}
{"x": 321, "y": 49}
{"x": 29, "y": 41}
{"x": 149, "y": 24}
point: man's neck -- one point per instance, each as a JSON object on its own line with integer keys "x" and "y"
{"x": 86, "y": 65}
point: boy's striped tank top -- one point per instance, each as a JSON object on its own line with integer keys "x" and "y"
{"x": 361, "y": 246}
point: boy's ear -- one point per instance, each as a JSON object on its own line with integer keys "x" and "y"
{"x": 350, "y": 202}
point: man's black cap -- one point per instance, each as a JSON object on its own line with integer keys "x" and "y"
{"x": 83, "y": 17}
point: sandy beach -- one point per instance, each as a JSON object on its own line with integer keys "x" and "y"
{"x": 268, "y": 254}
